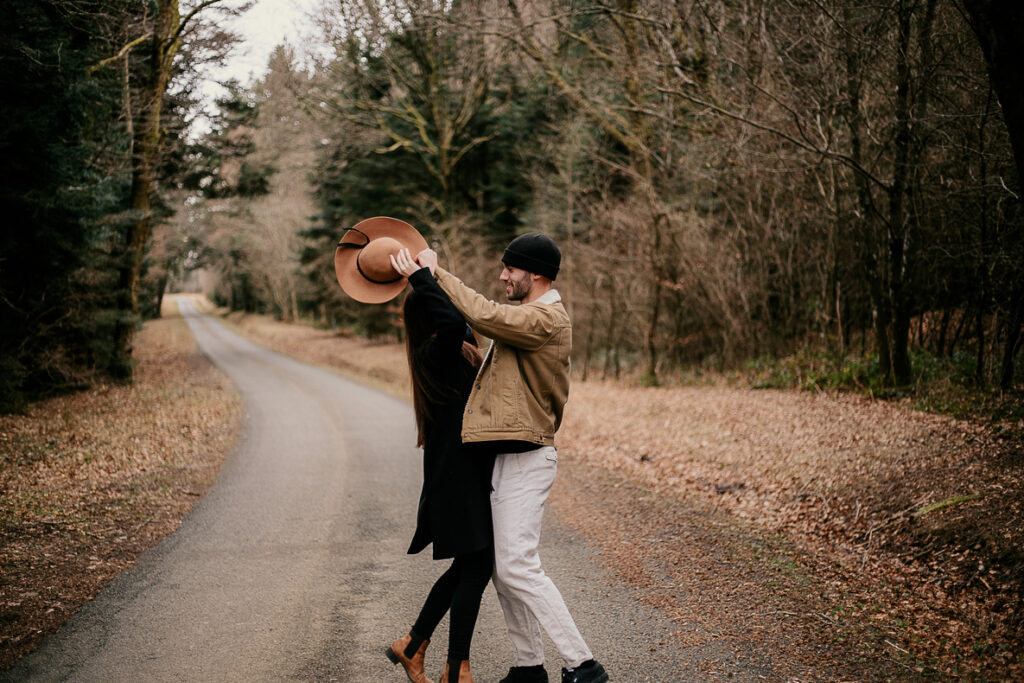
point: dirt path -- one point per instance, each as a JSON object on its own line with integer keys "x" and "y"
{"x": 293, "y": 565}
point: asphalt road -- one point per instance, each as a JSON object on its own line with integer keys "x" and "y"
{"x": 293, "y": 566}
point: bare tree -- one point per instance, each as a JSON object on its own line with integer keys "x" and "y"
{"x": 161, "y": 37}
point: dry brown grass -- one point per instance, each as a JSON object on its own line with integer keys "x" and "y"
{"x": 91, "y": 480}
{"x": 787, "y": 459}
{"x": 847, "y": 482}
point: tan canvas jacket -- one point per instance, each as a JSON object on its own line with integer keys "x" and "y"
{"x": 523, "y": 384}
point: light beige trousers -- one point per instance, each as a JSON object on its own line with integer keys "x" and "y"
{"x": 528, "y": 597}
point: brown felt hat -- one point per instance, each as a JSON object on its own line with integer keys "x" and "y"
{"x": 361, "y": 261}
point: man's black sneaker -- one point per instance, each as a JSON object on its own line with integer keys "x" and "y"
{"x": 526, "y": 674}
{"x": 587, "y": 672}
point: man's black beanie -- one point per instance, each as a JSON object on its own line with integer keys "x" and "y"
{"x": 534, "y": 253}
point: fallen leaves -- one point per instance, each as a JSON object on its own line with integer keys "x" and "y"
{"x": 90, "y": 480}
{"x": 912, "y": 510}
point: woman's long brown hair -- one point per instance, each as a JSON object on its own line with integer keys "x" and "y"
{"x": 430, "y": 386}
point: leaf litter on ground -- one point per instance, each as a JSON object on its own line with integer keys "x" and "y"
{"x": 90, "y": 480}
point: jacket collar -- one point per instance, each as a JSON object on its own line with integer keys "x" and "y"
{"x": 549, "y": 297}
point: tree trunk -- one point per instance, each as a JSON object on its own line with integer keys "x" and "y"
{"x": 160, "y": 297}
{"x": 958, "y": 335}
{"x": 906, "y": 161}
{"x": 588, "y": 348}
{"x": 145, "y": 157}
{"x": 901, "y": 368}
{"x": 651, "y": 373}
{"x": 979, "y": 333}
{"x": 640, "y": 158}
{"x": 868, "y": 213}
{"x": 983, "y": 252}
{"x": 940, "y": 345}
{"x": 1012, "y": 339}
{"x": 880, "y": 317}
{"x": 611, "y": 344}
{"x": 998, "y": 25}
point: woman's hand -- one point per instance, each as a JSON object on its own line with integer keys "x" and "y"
{"x": 403, "y": 263}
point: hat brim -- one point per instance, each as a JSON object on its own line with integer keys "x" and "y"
{"x": 351, "y": 280}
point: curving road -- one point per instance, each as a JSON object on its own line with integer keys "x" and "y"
{"x": 293, "y": 566}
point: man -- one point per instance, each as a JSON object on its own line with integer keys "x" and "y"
{"x": 513, "y": 411}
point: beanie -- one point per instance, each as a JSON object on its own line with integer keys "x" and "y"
{"x": 534, "y": 253}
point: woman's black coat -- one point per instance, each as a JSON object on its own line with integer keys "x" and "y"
{"x": 455, "y": 508}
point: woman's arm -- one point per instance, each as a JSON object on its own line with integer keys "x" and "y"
{"x": 445, "y": 316}
{"x": 449, "y": 325}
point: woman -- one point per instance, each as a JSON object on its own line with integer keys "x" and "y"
{"x": 454, "y": 509}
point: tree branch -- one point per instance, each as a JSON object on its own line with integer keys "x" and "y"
{"x": 594, "y": 49}
{"x": 610, "y": 122}
{"x": 188, "y": 17}
{"x": 124, "y": 50}
{"x": 848, "y": 161}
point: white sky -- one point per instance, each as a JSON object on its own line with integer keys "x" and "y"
{"x": 266, "y": 25}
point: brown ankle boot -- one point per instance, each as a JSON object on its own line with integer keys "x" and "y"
{"x": 413, "y": 665}
{"x": 463, "y": 675}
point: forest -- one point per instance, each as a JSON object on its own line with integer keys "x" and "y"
{"x": 733, "y": 183}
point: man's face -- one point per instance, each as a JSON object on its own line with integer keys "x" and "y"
{"x": 517, "y": 282}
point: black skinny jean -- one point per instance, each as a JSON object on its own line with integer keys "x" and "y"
{"x": 460, "y": 590}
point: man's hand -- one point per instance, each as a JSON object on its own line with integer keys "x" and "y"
{"x": 403, "y": 264}
{"x": 428, "y": 259}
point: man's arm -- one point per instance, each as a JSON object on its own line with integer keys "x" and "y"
{"x": 526, "y": 327}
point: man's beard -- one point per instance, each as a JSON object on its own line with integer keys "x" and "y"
{"x": 520, "y": 288}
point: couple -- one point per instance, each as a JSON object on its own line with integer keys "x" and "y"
{"x": 486, "y": 425}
